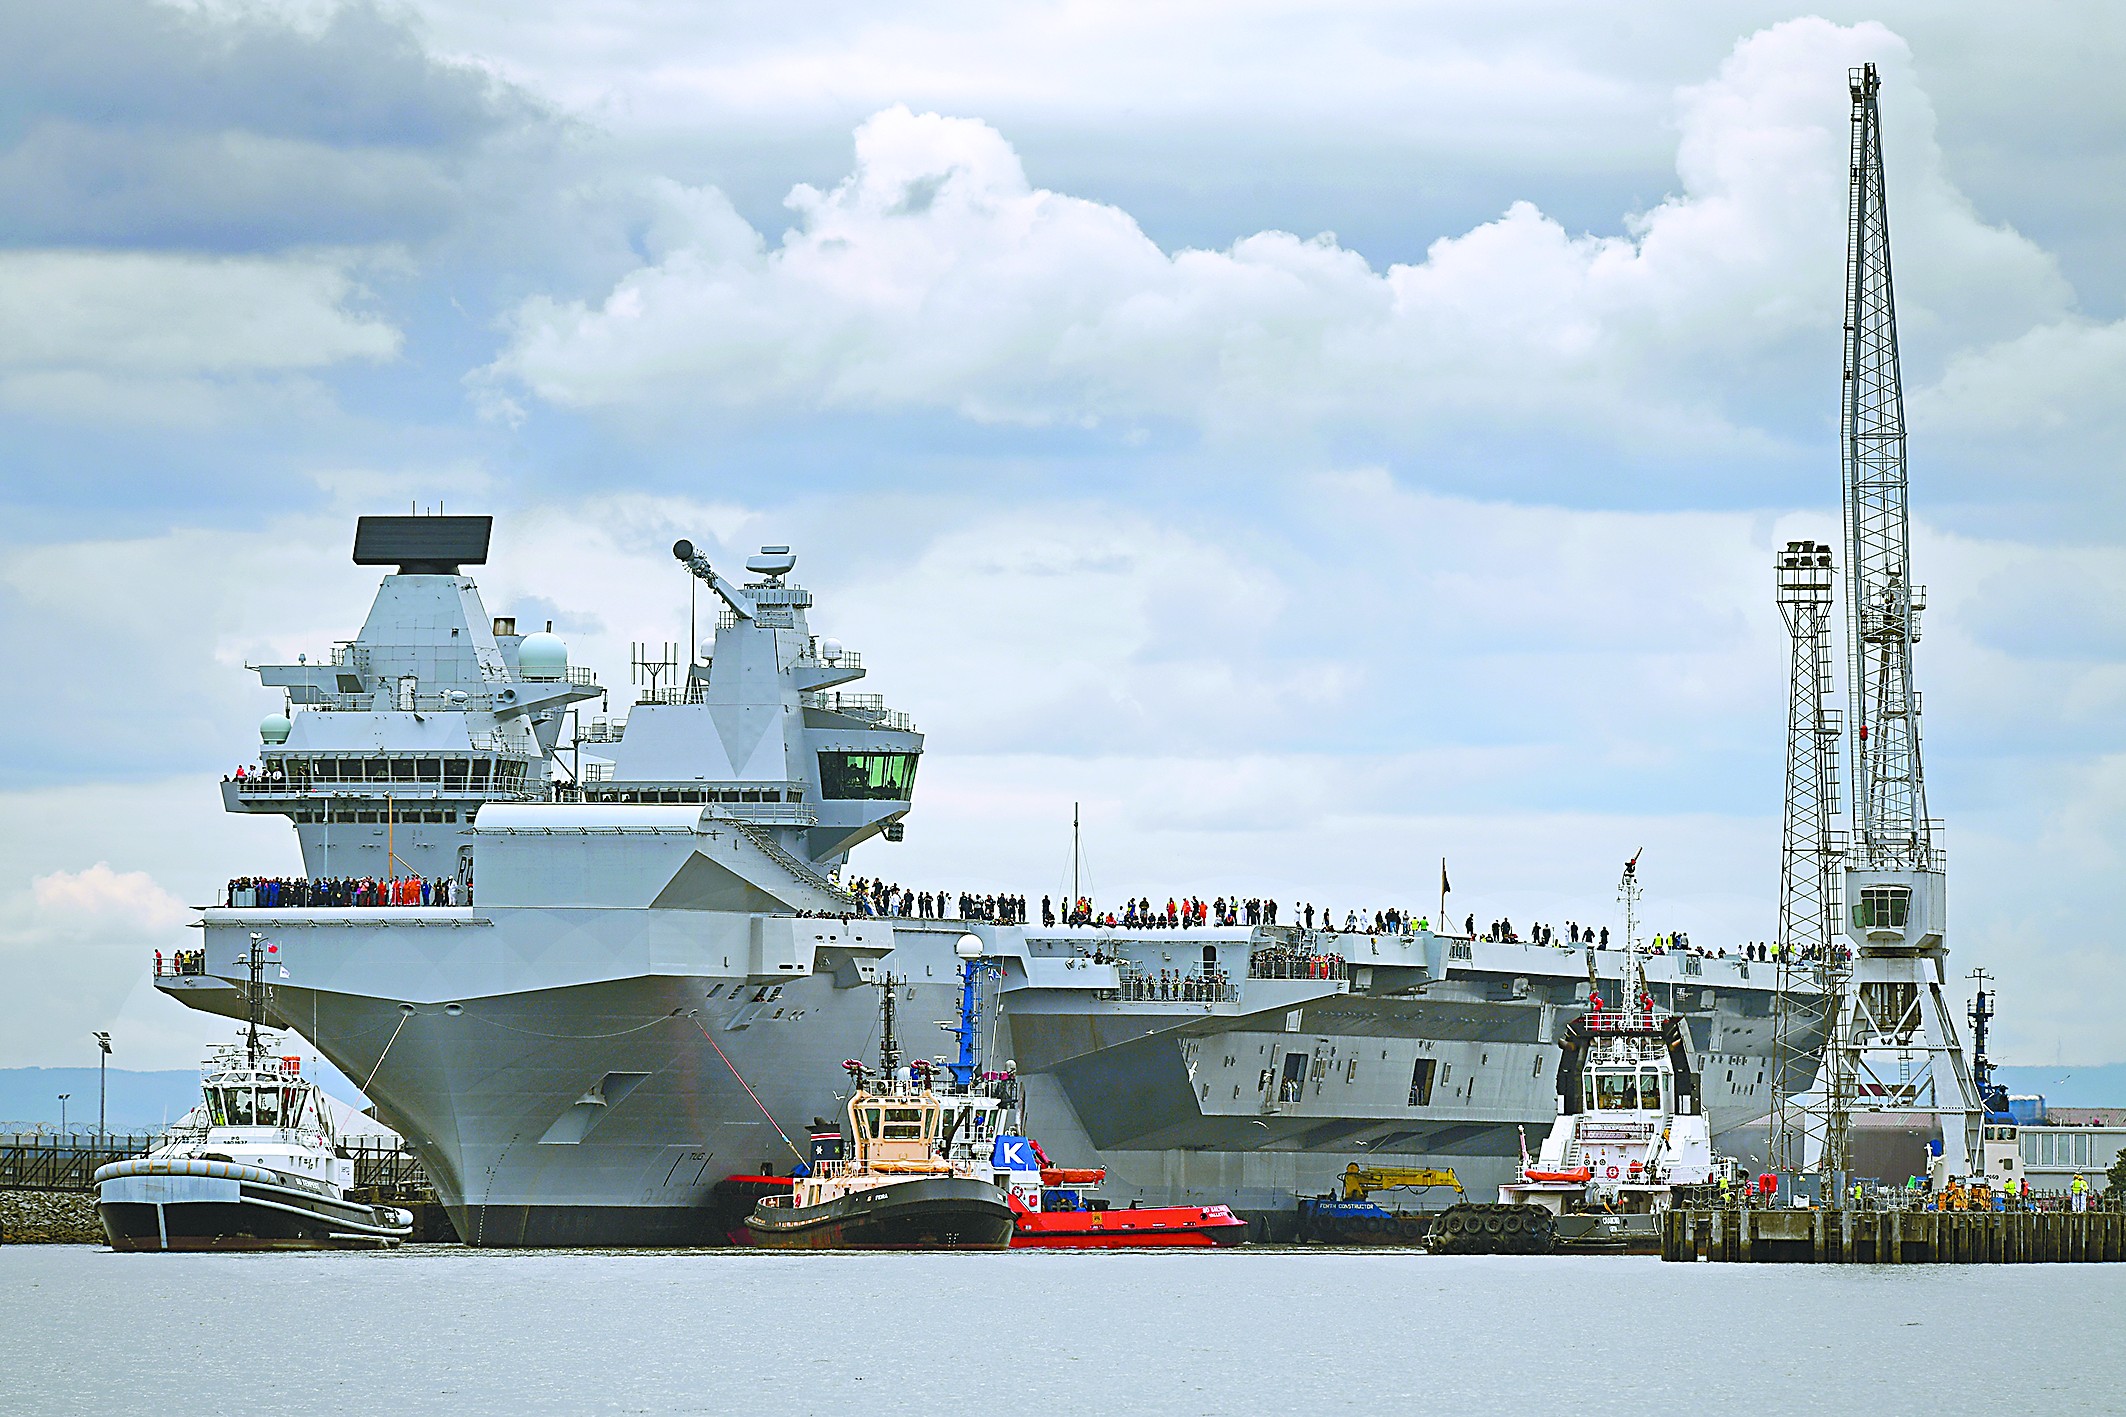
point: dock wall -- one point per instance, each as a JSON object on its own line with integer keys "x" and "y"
{"x": 1738, "y": 1236}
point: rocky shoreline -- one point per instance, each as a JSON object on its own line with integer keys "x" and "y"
{"x": 49, "y": 1218}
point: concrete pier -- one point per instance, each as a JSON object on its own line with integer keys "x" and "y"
{"x": 1735, "y": 1236}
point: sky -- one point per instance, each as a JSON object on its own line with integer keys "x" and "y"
{"x": 1318, "y": 439}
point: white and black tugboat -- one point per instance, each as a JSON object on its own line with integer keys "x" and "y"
{"x": 910, "y": 1183}
{"x": 1630, "y": 1129}
{"x": 256, "y": 1166}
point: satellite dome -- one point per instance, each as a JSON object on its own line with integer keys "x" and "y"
{"x": 274, "y": 728}
{"x": 542, "y": 656}
{"x": 830, "y": 650}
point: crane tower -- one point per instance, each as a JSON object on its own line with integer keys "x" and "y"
{"x": 1809, "y": 1100}
{"x": 1895, "y": 1038}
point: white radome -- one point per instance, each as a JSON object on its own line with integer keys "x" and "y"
{"x": 274, "y": 728}
{"x": 542, "y": 656}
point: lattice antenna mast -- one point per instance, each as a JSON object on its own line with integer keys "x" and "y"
{"x": 1882, "y": 604}
{"x": 1807, "y": 1128}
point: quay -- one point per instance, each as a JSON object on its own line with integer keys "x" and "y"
{"x": 1857, "y": 1236}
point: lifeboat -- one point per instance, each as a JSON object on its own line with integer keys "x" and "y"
{"x": 1578, "y": 1175}
{"x": 1073, "y": 1176}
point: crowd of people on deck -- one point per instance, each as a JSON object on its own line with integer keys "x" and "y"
{"x": 279, "y": 892}
{"x": 875, "y": 897}
{"x": 1284, "y": 962}
{"x": 181, "y": 962}
{"x": 1177, "y": 986}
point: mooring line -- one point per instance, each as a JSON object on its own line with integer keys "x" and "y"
{"x": 387, "y": 1051}
{"x": 749, "y": 1091}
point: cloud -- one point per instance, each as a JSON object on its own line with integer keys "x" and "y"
{"x": 99, "y": 896}
{"x": 137, "y": 123}
{"x": 154, "y": 334}
{"x": 79, "y": 943}
{"x": 937, "y": 277}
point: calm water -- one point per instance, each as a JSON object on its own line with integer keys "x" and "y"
{"x": 1030, "y": 1335}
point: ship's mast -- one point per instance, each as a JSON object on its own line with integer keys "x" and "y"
{"x": 254, "y": 998}
{"x": 889, "y": 1048}
{"x": 1895, "y": 1037}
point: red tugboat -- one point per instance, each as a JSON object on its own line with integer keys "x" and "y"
{"x": 1056, "y": 1213}
{"x": 1052, "y": 1206}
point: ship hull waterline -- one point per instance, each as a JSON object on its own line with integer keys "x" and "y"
{"x": 930, "y": 1213}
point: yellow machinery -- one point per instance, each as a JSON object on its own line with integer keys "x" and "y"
{"x": 1362, "y": 1181}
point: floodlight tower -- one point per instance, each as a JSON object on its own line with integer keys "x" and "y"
{"x": 1808, "y": 1122}
{"x": 1895, "y": 1031}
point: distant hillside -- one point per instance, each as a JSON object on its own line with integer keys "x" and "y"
{"x": 139, "y": 1101}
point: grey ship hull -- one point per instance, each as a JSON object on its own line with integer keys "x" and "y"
{"x": 565, "y": 1089}
{"x": 654, "y": 970}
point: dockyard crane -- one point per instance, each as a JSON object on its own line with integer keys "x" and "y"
{"x": 1807, "y": 1120}
{"x": 1895, "y": 1037}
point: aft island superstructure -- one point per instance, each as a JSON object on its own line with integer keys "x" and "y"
{"x": 652, "y": 971}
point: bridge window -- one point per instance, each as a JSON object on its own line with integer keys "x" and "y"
{"x": 1616, "y": 1091}
{"x": 1882, "y": 906}
{"x": 869, "y": 777}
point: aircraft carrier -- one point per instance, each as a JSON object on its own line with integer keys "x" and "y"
{"x": 640, "y": 970}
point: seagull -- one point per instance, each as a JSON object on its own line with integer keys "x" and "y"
{"x": 1264, "y": 1125}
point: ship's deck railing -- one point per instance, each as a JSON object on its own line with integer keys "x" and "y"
{"x": 284, "y": 893}
{"x": 1285, "y": 963}
{"x": 1173, "y": 986}
{"x": 866, "y": 708}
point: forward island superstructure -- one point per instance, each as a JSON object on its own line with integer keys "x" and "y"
{"x": 648, "y": 970}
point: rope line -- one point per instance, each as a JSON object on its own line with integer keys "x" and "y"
{"x": 385, "y": 1054}
{"x": 749, "y": 1091}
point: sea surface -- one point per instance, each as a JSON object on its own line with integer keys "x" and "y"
{"x": 423, "y": 1330}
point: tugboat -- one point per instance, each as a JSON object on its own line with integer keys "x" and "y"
{"x": 902, "y": 1190}
{"x": 1052, "y": 1206}
{"x": 256, "y": 1166}
{"x": 1059, "y": 1213}
{"x": 1630, "y": 1130}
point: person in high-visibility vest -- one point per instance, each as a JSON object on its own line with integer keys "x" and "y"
{"x": 2080, "y": 1189}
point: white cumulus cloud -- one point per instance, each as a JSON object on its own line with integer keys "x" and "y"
{"x": 149, "y": 332}
{"x": 936, "y": 276}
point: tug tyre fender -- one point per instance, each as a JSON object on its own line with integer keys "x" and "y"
{"x": 1494, "y": 1223}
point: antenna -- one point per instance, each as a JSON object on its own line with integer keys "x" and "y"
{"x": 645, "y": 670}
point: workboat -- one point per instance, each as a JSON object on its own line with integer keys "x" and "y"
{"x": 256, "y": 1166}
{"x": 1353, "y": 1217}
{"x": 1058, "y": 1211}
{"x": 901, "y": 1188}
{"x": 1630, "y": 1129}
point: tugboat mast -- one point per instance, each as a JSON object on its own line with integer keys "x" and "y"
{"x": 889, "y": 1049}
{"x": 254, "y": 999}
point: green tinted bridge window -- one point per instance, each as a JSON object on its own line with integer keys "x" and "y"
{"x": 884, "y": 777}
